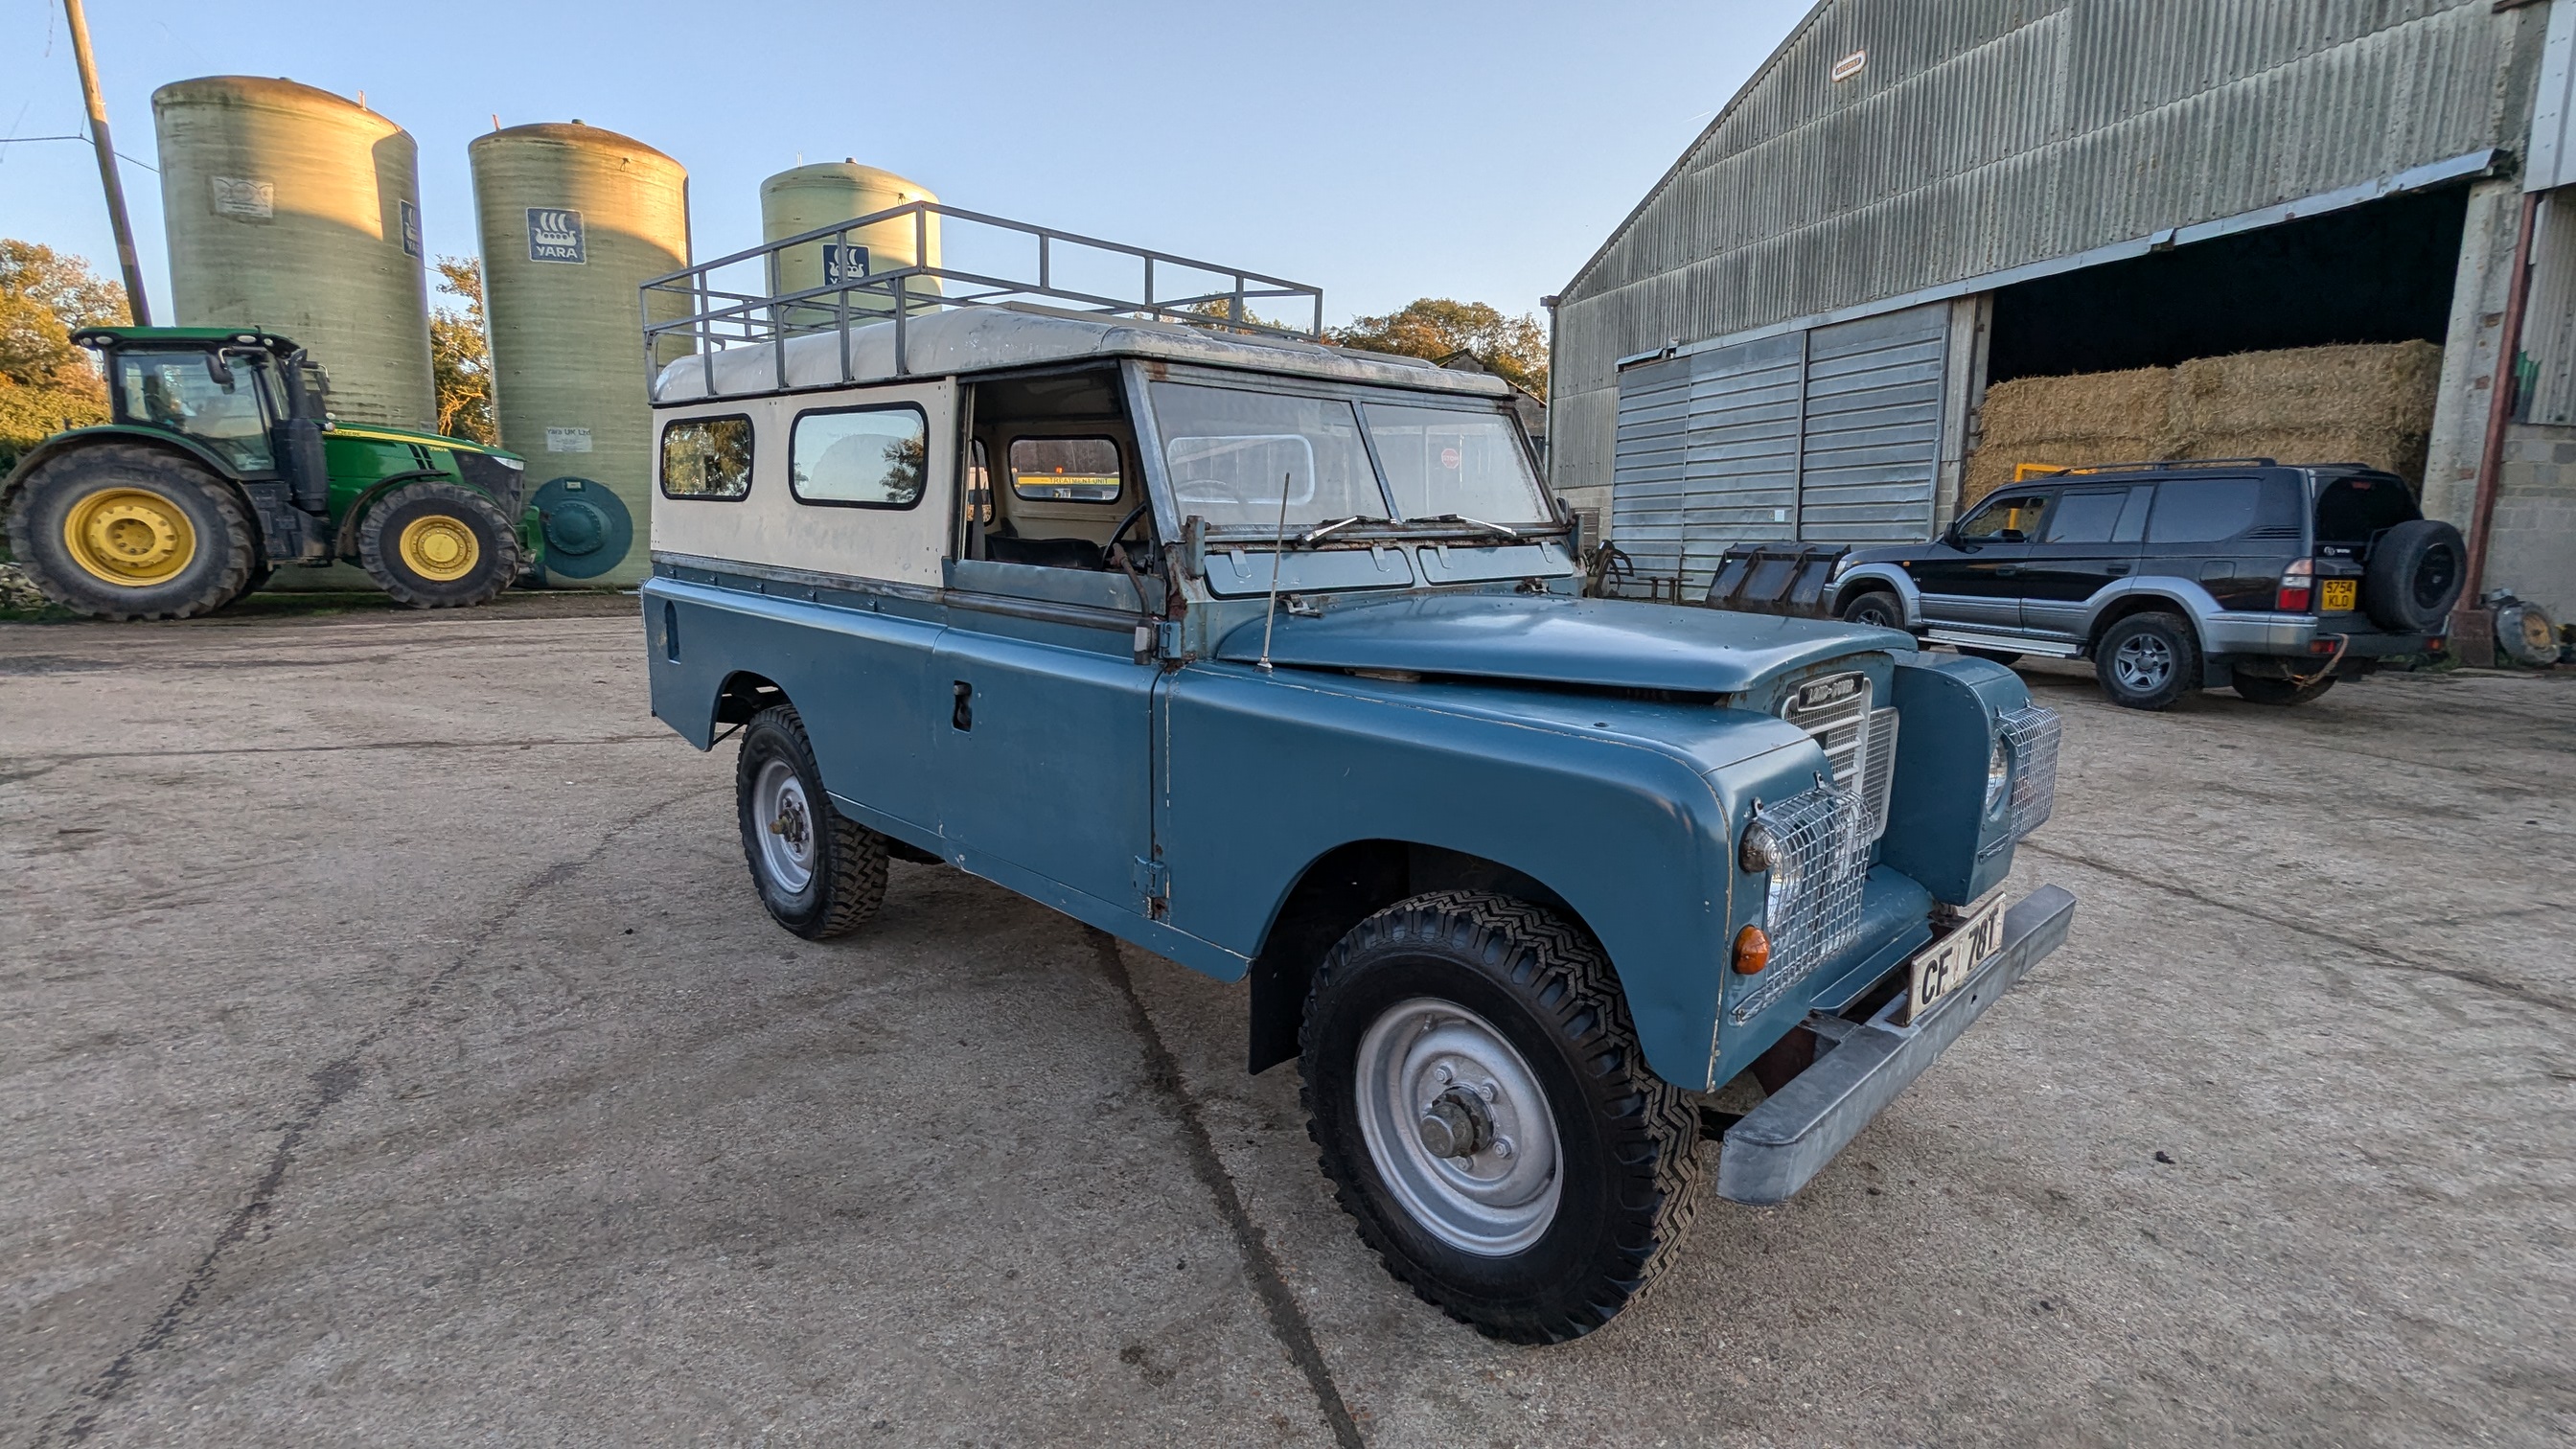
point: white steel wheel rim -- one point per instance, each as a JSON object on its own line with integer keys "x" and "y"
{"x": 785, "y": 821}
{"x": 2143, "y": 662}
{"x": 1495, "y": 1202}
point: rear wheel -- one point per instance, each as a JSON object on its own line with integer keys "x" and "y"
{"x": 1476, "y": 1092}
{"x": 2148, "y": 661}
{"x": 820, "y": 873}
{"x": 2281, "y": 691}
{"x": 130, "y": 531}
{"x": 438, "y": 546}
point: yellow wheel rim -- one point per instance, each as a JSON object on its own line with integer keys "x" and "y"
{"x": 129, "y": 536}
{"x": 439, "y": 548}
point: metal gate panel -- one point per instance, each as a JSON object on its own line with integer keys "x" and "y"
{"x": 1873, "y": 427}
{"x": 1646, "y": 504}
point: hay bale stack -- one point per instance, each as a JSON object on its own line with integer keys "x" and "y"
{"x": 2368, "y": 404}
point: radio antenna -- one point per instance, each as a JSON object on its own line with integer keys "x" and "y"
{"x": 1278, "y": 548}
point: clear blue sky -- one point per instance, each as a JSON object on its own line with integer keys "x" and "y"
{"x": 1384, "y": 151}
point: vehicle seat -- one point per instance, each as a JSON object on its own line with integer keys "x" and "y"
{"x": 1003, "y": 544}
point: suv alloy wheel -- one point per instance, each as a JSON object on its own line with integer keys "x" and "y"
{"x": 2148, "y": 661}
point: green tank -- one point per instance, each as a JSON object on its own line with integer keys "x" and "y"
{"x": 295, "y": 211}
{"x": 574, "y": 220}
{"x": 819, "y": 195}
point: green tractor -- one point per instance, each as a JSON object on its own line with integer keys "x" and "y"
{"x": 222, "y": 466}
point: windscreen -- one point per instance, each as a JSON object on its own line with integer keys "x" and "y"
{"x": 1444, "y": 460}
{"x": 1232, "y": 456}
{"x": 2356, "y": 510}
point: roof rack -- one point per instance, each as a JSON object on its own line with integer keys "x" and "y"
{"x": 2024, "y": 472}
{"x": 738, "y": 300}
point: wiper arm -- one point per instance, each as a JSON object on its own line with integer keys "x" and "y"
{"x": 1472, "y": 523}
{"x": 1307, "y": 539}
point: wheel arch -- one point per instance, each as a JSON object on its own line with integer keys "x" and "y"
{"x": 1336, "y": 891}
{"x": 2132, "y": 601}
{"x": 741, "y": 695}
{"x": 65, "y": 444}
{"x": 1882, "y": 578}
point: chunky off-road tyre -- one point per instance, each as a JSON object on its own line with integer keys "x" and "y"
{"x": 1473, "y": 1084}
{"x": 131, "y": 531}
{"x": 438, "y": 546}
{"x": 2414, "y": 576}
{"x": 2148, "y": 661}
{"x": 1876, "y": 608}
{"x": 820, "y": 873}
{"x": 2281, "y": 691}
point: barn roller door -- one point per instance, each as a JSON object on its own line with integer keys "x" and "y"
{"x": 1831, "y": 435}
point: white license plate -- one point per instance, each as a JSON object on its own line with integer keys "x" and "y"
{"x": 1945, "y": 965}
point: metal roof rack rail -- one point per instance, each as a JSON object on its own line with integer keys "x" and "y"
{"x": 2024, "y": 472}
{"x": 714, "y": 306}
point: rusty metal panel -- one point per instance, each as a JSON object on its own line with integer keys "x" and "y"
{"x": 1985, "y": 135}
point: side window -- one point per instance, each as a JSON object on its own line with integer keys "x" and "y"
{"x": 2202, "y": 510}
{"x": 860, "y": 457}
{"x": 2012, "y": 519}
{"x": 707, "y": 458}
{"x": 2085, "y": 516}
{"x": 1079, "y": 470}
{"x": 179, "y": 391}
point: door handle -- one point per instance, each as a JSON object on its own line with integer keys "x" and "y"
{"x": 2008, "y": 571}
{"x": 2115, "y": 569}
{"x": 962, "y": 715}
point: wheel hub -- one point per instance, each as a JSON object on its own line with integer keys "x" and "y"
{"x": 129, "y": 536}
{"x": 2143, "y": 663}
{"x": 439, "y": 548}
{"x": 1458, "y": 1126}
{"x": 786, "y": 826}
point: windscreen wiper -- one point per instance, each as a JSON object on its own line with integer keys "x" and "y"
{"x": 1307, "y": 539}
{"x": 1471, "y": 523}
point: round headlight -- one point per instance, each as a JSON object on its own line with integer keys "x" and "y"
{"x": 1760, "y": 850}
{"x": 1998, "y": 775}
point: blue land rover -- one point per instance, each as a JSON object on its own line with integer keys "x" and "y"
{"x": 1271, "y": 657}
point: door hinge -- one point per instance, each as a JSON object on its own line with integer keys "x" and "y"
{"x": 1154, "y": 884}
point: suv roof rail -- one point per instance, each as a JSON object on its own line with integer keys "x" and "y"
{"x": 738, "y": 300}
{"x": 2024, "y": 472}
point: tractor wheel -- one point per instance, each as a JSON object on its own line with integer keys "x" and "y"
{"x": 130, "y": 531}
{"x": 438, "y": 546}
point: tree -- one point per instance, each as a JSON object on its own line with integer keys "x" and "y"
{"x": 1437, "y": 329}
{"x": 47, "y": 384}
{"x": 460, "y": 359}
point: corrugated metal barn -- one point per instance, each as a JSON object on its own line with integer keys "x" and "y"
{"x": 1915, "y": 200}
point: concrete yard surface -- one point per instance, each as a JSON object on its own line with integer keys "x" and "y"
{"x": 393, "y": 1051}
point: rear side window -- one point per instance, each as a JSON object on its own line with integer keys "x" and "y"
{"x": 860, "y": 457}
{"x": 2202, "y": 510}
{"x": 1077, "y": 470}
{"x": 707, "y": 458}
{"x": 2086, "y": 516}
{"x": 2356, "y": 510}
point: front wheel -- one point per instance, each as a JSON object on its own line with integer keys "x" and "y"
{"x": 1877, "y": 609}
{"x": 1476, "y": 1093}
{"x": 820, "y": 873}
{"x": 438, "y": 546}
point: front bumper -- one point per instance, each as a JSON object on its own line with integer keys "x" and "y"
{"x": 1778, "y": 1146}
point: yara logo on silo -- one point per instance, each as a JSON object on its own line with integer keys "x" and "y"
{"x": 554, "y": 235}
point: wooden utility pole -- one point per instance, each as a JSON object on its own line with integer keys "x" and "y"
{"x": 125, "y": 257}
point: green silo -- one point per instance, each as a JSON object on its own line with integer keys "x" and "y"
{"x": 574, "y": 220}
{"x": 295, "y": 210}
{"x": 808, "y": 197}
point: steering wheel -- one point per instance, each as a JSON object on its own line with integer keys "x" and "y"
{"x": 1107, "y": 550}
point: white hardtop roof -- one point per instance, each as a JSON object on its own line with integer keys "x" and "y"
{"x": 1017, "y": 334}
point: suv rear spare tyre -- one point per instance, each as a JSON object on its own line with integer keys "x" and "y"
{"x": 2148, "y": 661}
{"x": 1475, "y": 1088}
{"x": 2414, "y": 576}
{"x": 132, "y": 531}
